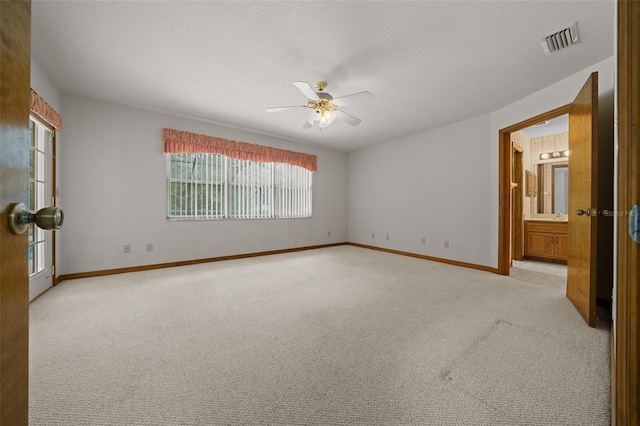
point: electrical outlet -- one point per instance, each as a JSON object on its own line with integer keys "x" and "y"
{"x": 126, "y": 248}
{"x": 373, "y": 235}
{"x": 387, "y": 237}
{"x": 423, "y": 240}
{"x": 446, "y": 244}
{"x": 149, "y": 247}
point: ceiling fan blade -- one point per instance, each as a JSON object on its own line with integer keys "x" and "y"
{"x": 349, "y": 119}
{"x": 356, "y": 97}
{"x": 278, "y": 109}
{"x": 306, "y": 90}
{"x": 313, "y": 116}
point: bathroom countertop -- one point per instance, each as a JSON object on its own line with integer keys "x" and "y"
{"x": 548, "y": 218}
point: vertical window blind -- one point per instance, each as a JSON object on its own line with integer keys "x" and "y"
{"x": 213, "y": 186}
{"x": 216, "y": 178}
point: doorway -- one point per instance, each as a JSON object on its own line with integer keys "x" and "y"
{"x": 511, "y": 219}
{"x": 589, "y": 228}
{"x": 540, "y": 201}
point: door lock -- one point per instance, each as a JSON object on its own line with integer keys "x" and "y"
{"x": 47, "y": 218}
{"x": 634, "y": 224}
{"x": 588, "y": 212}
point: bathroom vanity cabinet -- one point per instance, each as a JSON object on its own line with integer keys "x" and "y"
{"x": 546, "y": 240}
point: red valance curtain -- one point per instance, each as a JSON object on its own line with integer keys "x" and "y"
{"x": 43, "y": 110}
{"x": 179, "y": 141}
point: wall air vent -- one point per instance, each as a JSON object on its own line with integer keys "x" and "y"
{"x": 560, "y": 39}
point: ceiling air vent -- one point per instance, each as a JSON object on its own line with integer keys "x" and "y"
{"x": 560, "y": 40}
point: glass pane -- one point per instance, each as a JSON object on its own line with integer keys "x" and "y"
{"x": 218, "y": 170}
{"x": 31, "y": 260}
{"x": 32, "y": 165}
{"x": 200, "y": 167}
{"x": 41, "y": 235}
{"x": 236, "y": 171}
{"x": 244, "y": 201}
{"x": 191, "y": 199}
{"x": 32, "y": 196}
{"x": 40, "y": 257}
{"x": 40, "y": 169}
{"x": 177, "y": 196}
{"x": 46, "y": 141}
{"x": 282, "y": 174}
{"x": 218, "y": 203}
{"x": 40, "y": 196}
{"x": 177, "y": 165}
{"x": 200, "y": 170}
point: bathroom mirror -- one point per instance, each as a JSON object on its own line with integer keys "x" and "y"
{"x": 545, "y": 159}
{"x": 553, "y": 188}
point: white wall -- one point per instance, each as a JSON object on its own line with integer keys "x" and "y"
{"x": 427, "y": 185}
{"x": 42, "y": 84}
{"x": 113, "y": 189}
{"x": 443, "y": 184}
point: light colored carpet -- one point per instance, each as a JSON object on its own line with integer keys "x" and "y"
{"x": 335, "y": 336}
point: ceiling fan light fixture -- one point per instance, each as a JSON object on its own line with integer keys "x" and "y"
{"x": 327, "y": 117}
{"x": 323, "y": 108}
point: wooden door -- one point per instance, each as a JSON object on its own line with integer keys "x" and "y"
{"x": 625, "y": 366}
{"x": 517, "y": 197}
{"x": 583, "y": 148}
{"x": 15, "y": 59}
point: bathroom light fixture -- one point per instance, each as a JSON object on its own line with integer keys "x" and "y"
{"x": 554, "y": 154}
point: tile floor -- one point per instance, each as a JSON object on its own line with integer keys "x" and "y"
{"x": 543, "y": 273}
{"x": 552, "y": 275}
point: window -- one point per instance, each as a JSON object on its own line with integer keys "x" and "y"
{"x": 39, "y": 191}
{"x": 213, "y": 186}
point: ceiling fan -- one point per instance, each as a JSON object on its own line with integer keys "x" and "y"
{"x": 324, "y": 107}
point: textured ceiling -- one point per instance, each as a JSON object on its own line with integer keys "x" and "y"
{"x": 427, "y": 63}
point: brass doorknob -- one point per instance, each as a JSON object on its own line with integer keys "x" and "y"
{"x": 47, "y": 218}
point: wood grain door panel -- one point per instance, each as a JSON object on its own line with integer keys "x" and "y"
{"x": 15, "y": 66}
{"x": 583, "y": 148}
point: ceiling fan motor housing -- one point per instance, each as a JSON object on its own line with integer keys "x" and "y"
{"x": 322, "y": 105}
{"x": 325, "y": 96}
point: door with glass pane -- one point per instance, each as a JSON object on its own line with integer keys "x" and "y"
{"x": 40, "y": 183}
